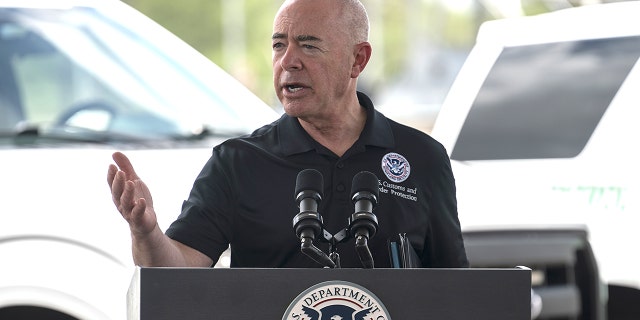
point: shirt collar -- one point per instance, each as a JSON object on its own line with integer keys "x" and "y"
{"x": 377, "y": 131}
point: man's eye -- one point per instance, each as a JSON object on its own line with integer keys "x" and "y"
{"x": 277, "y": 45}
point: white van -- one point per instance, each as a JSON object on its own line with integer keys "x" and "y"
{"x": 541, "y": 125}
{"x": 78, "y": 81}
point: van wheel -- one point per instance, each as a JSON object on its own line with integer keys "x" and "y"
{"x": 33, "y": 313}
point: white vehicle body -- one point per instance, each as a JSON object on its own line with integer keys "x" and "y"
{"x": 65, "y": 251}
{"x": 63, "y": 244}
{"x": 520, "y": 76}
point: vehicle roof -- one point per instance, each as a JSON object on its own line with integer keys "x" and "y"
{"x": 54, "y": 3}
{"x": 586, "y": 22}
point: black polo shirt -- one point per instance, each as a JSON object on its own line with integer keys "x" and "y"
{"x": 244, "y": 195}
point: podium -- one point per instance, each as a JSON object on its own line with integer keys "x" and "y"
{"x": 239, "y": 294}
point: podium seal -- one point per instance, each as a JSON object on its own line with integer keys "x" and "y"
{"x": 336, "y": 300}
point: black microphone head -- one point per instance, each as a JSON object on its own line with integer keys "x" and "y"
{"x": 365, "y": 181}
{"x": 309, "y": 180}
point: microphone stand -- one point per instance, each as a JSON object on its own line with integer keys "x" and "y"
{"x": 307, "y": 224}
{"x": 332, "y": 260}
{"x": 333, "y": 244}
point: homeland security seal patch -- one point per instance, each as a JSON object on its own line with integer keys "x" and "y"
{"x": 336, "y": 300}
{"x": 396, "y": 167}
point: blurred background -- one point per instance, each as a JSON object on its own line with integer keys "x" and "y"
{"x": 79, "y": 82}
{"x": 419, "y": 45}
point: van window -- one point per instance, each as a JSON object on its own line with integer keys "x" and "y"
{"x": 545, "y": 100}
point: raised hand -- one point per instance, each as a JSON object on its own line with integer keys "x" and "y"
{"x": 131, "y": 196}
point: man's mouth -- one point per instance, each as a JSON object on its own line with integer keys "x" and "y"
{"x": 293, "y": 88}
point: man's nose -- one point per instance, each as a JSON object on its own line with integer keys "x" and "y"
{"x": 290, "y": 59}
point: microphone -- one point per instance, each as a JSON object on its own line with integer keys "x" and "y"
{"x": 308, "y": 222}
{"x": 363, "y": 224}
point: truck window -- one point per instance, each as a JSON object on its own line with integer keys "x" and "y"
{"x": 545, "y": 100}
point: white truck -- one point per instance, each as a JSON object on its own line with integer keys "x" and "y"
{"x": 540, "y": 125}
{"x": 80, "y": 79}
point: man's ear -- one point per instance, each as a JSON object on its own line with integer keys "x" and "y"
{"x": 362, "y": 53}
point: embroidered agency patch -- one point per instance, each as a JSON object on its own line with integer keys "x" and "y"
{"x": 396, "y": 167}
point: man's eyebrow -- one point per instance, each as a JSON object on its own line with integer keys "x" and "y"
{"x": 300, "y": 38}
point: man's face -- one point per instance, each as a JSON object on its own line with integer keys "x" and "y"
{"x": 312, "y": 58}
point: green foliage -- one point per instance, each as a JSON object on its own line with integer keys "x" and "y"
{"x": 399, "y": 27}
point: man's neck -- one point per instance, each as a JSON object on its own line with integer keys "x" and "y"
{"x": 340, "y": 132}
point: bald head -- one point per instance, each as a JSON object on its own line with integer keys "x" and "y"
{"x": 320, "y": 48}
{"x": 356, "y": 20}
{"x": 351, "y": 17}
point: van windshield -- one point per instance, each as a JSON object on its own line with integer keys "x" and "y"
{"x": 81, "y": 71}
{"x": 545, "y": 100}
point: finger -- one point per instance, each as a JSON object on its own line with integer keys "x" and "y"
{"x": 125, "y": 165}
{"x": 138, "y": 210}
{"x": 117, "y": 188}
{"x": 126, "y": 199}
{"x": 111, "y": 174}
